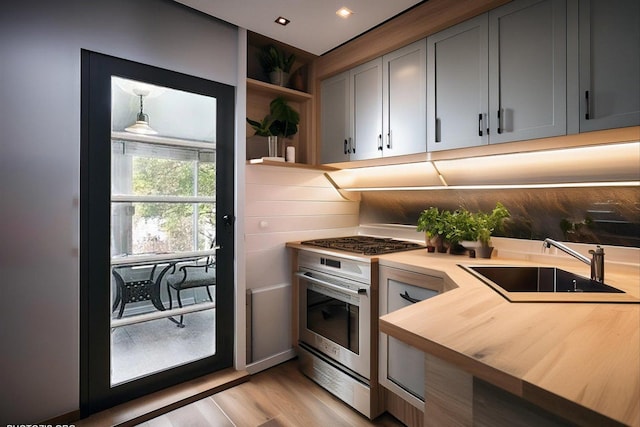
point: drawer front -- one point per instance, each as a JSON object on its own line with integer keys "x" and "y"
{"x": 401, "y": 294}
{"x": 402, "y": 366}
{"x": 405, "y": 364}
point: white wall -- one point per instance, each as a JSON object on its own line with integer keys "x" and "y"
{"x": 40, "y": 43}
{"x": 284, "y": 204}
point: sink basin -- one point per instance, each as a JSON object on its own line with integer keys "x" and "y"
{"x": 537, "y": 279}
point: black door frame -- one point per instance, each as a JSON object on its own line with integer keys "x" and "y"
{"x": 97, "y": 69}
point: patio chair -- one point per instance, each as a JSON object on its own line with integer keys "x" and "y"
{"x": 137, "y": 284}
{"x": 191, "y": 276}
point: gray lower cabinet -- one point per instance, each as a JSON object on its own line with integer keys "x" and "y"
{"x": 401, "y": 367}
{"x": 609, "y": 63}
{"x": 499, "y": 77}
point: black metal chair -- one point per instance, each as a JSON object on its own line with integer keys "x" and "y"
{"x": 136, "y": 284}
{"x": 190, "y": 276}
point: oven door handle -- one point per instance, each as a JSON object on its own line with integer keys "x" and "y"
{"x": 307, "y": 276}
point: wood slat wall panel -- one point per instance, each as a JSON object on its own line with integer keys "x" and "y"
{"x": 261, "y": 174}
{"x": 254, "y": 242}
{"x": 261, "y": 208}
{"x": 277, "y": 224}
{"x": 276, "y": 192}
{"x": 285, "y": 204}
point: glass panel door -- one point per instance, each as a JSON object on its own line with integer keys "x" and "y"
{"x": 163, "y": 234}
{"x": 156, "y": 229}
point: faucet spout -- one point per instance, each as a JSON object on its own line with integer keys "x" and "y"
{"x": 596, "y": 262}
{"x": 550, "y": 242}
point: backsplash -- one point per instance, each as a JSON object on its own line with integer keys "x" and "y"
{"x": 607, "y": 215}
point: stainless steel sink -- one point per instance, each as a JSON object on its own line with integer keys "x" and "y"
{"x": 537, "y": 279}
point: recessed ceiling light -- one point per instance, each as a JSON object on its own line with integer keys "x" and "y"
{"x": 344, "y": 12}
{"x": 282, "y": 21}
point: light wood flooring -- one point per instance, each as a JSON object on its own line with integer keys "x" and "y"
{"x": 280, "y": 396}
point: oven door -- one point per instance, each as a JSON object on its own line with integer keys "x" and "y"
{"x": 335, "y": 319}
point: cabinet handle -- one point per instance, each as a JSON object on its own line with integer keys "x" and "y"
{"x": 409, "y": 298}
{"x": 346, "y": 150}
{"x": 389, "y": 140}
{"x": 437, "y": 130}
{"x": 480, "y": 124}
{"x": 352, "y": 146}
{"x": 587, "y": 114}
{"x": 499, "y": 123}
{"x": 380, "y": 142}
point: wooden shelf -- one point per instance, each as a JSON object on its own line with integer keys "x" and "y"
{"x": 266, "y": 162}
{"x": 291, "y": 95}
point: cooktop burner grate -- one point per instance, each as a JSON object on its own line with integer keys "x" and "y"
{"x": 365, "y": 245}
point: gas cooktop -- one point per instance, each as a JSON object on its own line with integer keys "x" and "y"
{"x": 365, "y": 245}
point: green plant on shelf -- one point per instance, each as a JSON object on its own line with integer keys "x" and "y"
{"x": 282, "y": 120}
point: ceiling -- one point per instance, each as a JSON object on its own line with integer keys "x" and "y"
{"x": 314, "y": 26}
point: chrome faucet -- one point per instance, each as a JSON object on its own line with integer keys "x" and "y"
{"x": 596, "y": 261}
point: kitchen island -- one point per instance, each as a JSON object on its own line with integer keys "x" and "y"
{"x": 579, "y": 361}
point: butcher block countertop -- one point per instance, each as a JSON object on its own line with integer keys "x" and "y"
{"x": 575, "y": 359}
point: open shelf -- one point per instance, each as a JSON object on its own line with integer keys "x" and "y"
{"x": 264, "y": 88}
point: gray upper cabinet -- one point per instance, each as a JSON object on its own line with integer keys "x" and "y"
{"x": 335, "y": 118}
{"x": 366, "y": 110}
{"x": 351, "y": 114}
{"x": 404, "y": 100}
{"x": 527, "y": 70}
{"x": 498, "y": 77}
{"x": 376, "y": 109}
{"x": 458, "y": 95}
{"x": 609, "y": 63}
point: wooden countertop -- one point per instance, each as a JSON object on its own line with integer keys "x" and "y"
{"x": 578, "y": 360}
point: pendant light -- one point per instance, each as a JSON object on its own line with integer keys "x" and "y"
{"x": 141, "y": 126}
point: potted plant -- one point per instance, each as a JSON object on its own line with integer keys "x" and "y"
{"x": 460, "y": 228}
{"x": 481, "y": 226}
{"x": 431, "y": 223}
{"x": 282, "y": 121}
{"x": 276, "y": 64}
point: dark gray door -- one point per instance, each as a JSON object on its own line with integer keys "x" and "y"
{"x": 157, "y": 197}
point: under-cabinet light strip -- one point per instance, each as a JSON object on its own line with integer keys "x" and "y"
{"x": 501, "y": 186}
{"x": 442, "y": 180}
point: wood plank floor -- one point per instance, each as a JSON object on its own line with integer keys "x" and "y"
{"x": 280, "y": 396}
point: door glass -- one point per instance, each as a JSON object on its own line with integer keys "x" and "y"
{"x": 163, "y": 230}
{"x": 333, "y": 319}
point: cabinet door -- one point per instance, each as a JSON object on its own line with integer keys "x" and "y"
{"x": 527, "y": 70}
{"x": 458, "y": 89}
{"x": 404, "y": 100}
{"x": 609, "y": 40}
{"x": 402, "y": 366}
{"x": 366, "y": 108}
{"x": 335, "y": 119}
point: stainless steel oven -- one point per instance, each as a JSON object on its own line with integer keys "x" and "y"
{"x": 335, "y": 325}
{"x": 337, "y": 315}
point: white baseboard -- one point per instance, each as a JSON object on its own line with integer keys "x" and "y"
{"x": 271, "y": 361}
